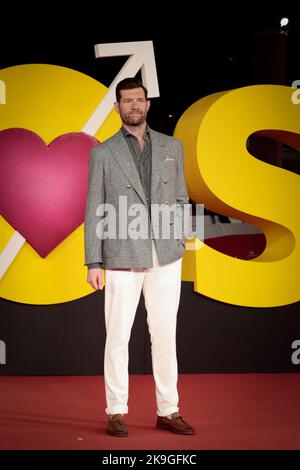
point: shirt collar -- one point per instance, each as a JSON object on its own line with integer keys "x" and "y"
{"x": 126, "y": 133}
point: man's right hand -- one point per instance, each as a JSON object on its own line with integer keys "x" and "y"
{"x": 95, "y": 278}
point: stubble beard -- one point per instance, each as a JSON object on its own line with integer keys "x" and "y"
{"x": 134, "y": 121}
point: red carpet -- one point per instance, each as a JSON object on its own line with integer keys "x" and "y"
{"x": 229, "y": 411}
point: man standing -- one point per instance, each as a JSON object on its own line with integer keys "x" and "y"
{"x": 144, "y": 168}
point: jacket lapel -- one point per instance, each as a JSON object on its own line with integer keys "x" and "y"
{"x": 158, "y": 153}
{"x": 124, "y": 158}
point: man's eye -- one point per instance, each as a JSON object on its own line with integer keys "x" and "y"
{"x": 139, "y": 100}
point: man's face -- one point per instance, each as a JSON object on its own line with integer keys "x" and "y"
{"x": 133, "y": 107}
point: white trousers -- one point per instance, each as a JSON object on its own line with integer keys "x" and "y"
{"x": 161, "y": 287}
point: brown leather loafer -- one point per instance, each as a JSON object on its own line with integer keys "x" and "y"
{"x": 116, "y": 426}
{"x": 176, "y": 424}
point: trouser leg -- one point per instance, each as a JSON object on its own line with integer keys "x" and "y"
{"x": 161, "y": 289}
{"x": 122, "y": 294}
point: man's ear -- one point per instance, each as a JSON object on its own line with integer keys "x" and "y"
{"x": 116, "y": 106}
{"x": 148, "y": 105}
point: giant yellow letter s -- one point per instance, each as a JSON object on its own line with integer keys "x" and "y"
{"x": 222, "y": 174}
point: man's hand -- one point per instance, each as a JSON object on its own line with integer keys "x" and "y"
{"x": 95, "y": 278}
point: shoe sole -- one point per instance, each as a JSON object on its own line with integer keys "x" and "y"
{"x": 176, "y": 431}
{"x": 115, "y": 434}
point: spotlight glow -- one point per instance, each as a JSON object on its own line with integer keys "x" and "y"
{"x": 284, "y": 22}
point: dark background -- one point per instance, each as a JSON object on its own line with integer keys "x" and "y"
{"x": 198, "y": 52}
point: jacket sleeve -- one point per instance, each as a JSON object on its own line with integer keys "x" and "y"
{"x": 95, "y": 197}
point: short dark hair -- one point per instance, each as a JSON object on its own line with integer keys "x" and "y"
{"x": 129, "y": 84}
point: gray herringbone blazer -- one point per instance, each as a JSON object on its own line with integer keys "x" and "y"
{"x": 112, "y": 173}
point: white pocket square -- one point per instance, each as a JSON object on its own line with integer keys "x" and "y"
{"x": 169, "y": 159}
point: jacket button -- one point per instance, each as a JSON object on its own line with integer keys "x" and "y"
{"x": 166, "y": 202}
{"x": 128, "y": 185}
{"x": 165, "y": 181}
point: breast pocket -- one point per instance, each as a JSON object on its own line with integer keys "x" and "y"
{"x": 170, "y": 167}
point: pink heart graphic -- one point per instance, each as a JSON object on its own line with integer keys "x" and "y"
{"x": 43, "y": 188}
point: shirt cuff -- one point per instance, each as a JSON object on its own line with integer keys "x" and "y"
{"x": 94, "y": 265}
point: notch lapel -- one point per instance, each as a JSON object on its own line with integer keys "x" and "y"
{"x": 158, "y": 153}
{"x": 123, "y": 157}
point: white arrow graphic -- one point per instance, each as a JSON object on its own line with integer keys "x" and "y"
{"x": 10, "y": 251}
{"x": 2, "y": 92}
{"x": 141, "y": 57}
